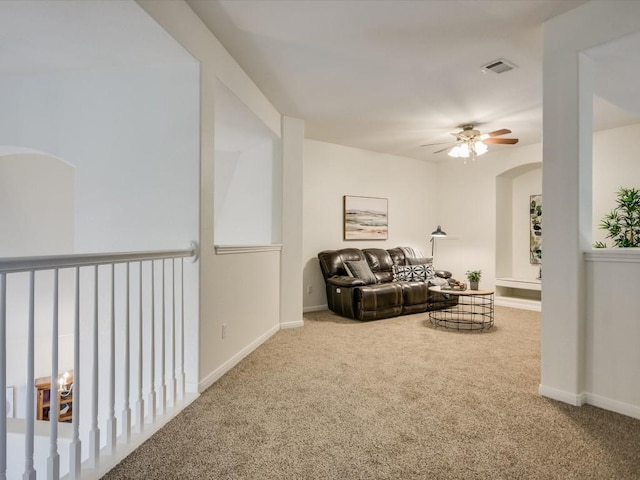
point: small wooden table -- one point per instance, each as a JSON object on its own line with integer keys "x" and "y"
{"x": 474, "y": 310}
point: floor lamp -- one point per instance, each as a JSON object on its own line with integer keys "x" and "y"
{"x": 437, "y": 233}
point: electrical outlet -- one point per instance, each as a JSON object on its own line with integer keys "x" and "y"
{"x": 224, "y": 330}
{"x": 309, "y": 289}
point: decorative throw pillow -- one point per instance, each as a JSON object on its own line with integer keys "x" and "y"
{"x": 360, "y": 269}
{"x": 401, "y": 273}
{"x": 420, "y": 261}
{"x": 413, "y": 273}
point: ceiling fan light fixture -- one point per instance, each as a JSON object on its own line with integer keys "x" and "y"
{"x": 455, "y": 152}
{"x": 480, "y": 148}
{"x": 471, "y": 143}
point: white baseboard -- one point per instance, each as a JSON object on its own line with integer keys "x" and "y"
{"x": 294, "y": 324}
{"x": 613, "y": 405}
{"x": 591, "y": 399}
{"x": 315, "y": 308}
{"x": 521, "y": 303}
{"x": 233, "y": 361}
{"x": 576, "y": 399}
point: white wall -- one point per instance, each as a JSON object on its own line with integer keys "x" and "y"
{"x": 292, "y": 167}
{"x": 332, "y": 171}
{"x": 36, "y": 205}
{"x": 612, "y": 356}
{"x": 251, "y": 314}
{"x": 244, "y": 196}
{"x": 568, "y": 178}
{"x": 133, "y": 191}
{"x": 469, "y": 214}
{"x": 247, "y": 186}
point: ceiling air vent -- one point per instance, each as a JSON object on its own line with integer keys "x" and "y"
{"x": 498, "y": 66}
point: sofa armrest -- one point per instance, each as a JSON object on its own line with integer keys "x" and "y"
{"x": 443, "y": 274}
{"x": 344, "y": 282}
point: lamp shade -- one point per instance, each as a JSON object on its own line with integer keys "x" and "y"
{"x": 438, "y": 232}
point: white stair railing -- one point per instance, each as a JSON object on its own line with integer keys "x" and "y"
{"x": 145, "y": 366}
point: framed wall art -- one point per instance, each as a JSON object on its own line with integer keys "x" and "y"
{"x": 365, "y": 218}
{"x": 535, "y": 229}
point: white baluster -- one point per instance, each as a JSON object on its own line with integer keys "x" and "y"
{"x": 29, "y": 471}
{"x": 182, "y": 375}
{"x": 94, "y": 433}
{"x": 174, "y": 396}
{"x": 139, "y": 408}
{"x": 163, "y": 378}
{"x": 3, "y": 373}
{"x": 126, "y": 412}
{"x": 111, "y": 418}
{"x": 75, "y": 448}
{"x": 53, "y": 462}
{"x": 152, "y": 393}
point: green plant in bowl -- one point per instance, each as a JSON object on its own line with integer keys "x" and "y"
{"x": 474, "y": 278}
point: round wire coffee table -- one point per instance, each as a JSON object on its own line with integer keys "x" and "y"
{"x": 474, "y": 310}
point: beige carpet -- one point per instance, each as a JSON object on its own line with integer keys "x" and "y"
{"x": 390, "y": 399}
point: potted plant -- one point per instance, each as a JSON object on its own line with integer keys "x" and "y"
{"x": 474, "y": 278}
{"x": 623, "y": 222}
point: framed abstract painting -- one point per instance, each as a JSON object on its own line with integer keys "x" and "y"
{"x": 365, "y": 218}
{"x": 535, "y": 229}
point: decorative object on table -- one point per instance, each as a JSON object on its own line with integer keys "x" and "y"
{"x": 437, "y": 233}
{"x": 623, "y": 222}
{"x": 535, "y": 229}
{"x": 455, "y": 285}
{"x": 10, "y": 393}
{"x": 365, "y": 218}
{"x": 474, "y": 278}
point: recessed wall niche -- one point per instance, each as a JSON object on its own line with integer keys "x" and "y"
{"x": 517, "y": 280}
{"x": 247, "y": 188}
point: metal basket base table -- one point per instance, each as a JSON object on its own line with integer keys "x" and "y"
{"x": 474, "y": 310}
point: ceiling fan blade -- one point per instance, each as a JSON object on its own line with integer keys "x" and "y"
{"x": 442, "y": 150}
{"x": 439, "y": 143}
{"x": 504, "y": 141}
{"x": 497, "y": 133}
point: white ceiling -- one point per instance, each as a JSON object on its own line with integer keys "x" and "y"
{"x": 384, "y": 75}
{"x": 390, "y": 75}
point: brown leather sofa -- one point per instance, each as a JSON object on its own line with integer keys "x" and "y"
{"x": 352, "y": 297}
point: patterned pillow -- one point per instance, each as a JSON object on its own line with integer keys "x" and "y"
{"x": 360, "y": 269}
{"x": 413, "y": 273}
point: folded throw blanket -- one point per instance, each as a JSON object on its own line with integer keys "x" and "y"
{"x": 410, "y": 252}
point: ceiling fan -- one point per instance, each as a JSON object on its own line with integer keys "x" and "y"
{"x": 471, "y": 142}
